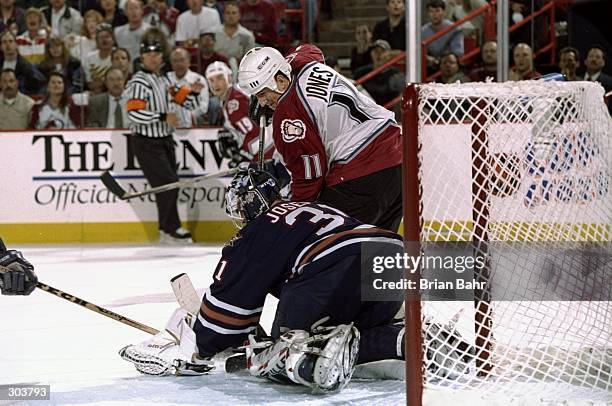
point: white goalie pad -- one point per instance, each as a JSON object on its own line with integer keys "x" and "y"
{"x": 158, "y": 355}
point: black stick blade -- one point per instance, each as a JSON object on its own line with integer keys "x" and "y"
{"x": 112, "y": 185}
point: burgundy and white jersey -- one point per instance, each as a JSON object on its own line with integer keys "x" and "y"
{"x": 237, "y": 121}
{"x": 327, "y": 132}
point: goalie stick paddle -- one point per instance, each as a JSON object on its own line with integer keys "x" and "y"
{"x": 91, "y": 306}
{"x": 115, "y": 188}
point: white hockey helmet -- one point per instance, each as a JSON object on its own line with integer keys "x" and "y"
{"x": 258, "y": 68}
{"x": 219, "y": 68}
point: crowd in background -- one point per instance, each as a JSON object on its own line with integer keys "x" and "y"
{"x": 65, "y": 63}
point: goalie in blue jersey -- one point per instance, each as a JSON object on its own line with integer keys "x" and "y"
{"x": 309, "y": 256}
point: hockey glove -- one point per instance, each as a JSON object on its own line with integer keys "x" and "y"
{"x": 274, "y": 168}
{"x": 256, "y": 110}
{"x": 17, "y": 276}
{"x": 229, "y": 148}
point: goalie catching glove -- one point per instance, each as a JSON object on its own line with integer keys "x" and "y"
{"x": 323, "y": 359}
{"x": 17, "y": 275}
{"x": 172, "y": 351}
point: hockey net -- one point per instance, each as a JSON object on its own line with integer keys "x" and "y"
{"x": 521, "y": 172}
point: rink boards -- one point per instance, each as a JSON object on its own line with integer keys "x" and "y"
{"x": 51, "y": 190}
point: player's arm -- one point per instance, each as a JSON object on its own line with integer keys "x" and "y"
{"x": 232, "y": 306}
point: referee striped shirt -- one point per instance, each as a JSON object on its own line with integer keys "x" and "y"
{"x": 149, "y": 100}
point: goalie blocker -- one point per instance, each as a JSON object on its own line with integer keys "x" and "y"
{"x": 309, "y": 256}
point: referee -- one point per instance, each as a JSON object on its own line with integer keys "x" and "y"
{"x": 152, "y": 124}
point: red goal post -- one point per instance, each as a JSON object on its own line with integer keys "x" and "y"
{"x": 518, "y": 169}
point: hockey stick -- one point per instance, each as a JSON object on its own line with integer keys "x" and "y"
{"x": 262, "y": 139}
{"x": 90, "y": 306}
{"x": 115, "y": 188}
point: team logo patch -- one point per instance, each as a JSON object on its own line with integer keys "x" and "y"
{"x": 293, "y": 130}
{"x": 232, "y": 106}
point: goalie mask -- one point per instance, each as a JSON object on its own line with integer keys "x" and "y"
{"x": 250, "y": 194}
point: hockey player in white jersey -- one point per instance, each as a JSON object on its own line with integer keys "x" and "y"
{"x": 340, "y": 147}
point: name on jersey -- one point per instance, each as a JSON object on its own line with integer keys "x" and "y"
{"x": 278, "y": 211}
{"x": 317, "y": 83}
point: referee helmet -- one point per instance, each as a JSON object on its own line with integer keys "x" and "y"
{"x": 150, "y": 45}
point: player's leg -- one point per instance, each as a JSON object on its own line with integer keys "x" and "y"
{"x": 373, "y": 199}
{"x": 323, "y": 356}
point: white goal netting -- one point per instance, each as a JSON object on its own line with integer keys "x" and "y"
{"x": 521, "y": 170}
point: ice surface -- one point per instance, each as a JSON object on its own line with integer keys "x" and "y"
{"x": 47, "y": 340}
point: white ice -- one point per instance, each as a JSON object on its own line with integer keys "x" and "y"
{"x": 47, "y": 340}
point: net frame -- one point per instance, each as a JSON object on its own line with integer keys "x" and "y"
{"x": 415, "y": 227}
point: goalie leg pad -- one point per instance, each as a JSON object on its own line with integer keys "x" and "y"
{"x": 335, "y": 364}
{"x": 268, "y": 359}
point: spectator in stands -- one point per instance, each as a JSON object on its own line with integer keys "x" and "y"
{"x": 215, "y": 5}
{"x": 206, "y": 53}
{"x": 11, "y": 17}
{"x": 259, "y": 16}
{"x": 14, "y": 105}
{"x": 96, "y": 63}
{"x": 360, "y": 54}
{"x": 157, "y": 13}
{"x": 180, "y": 76}
{"x": 120, "y": 59}
{"x": 452, "y": 41}
{"x": 457, "y": 9}
{"x": 311, "y": 9}
{"x": 488, "y": 53}
{"x": 29, "y": 77}
{"x": 57, "y": 109}
{"x": 155, "y": 34}
{"x": 108, "y": 109}
{"x": 193, "y": 22}
{"x": 594, "y": 63}
{"x": 128, "y": 35}
{"x": 63, "y": 20}
{"x": 389, "y": 83}
{"x": 569, "y": 62}
{"x": 393, "y": 28}
{"x": 449, "y": 66}
{"x": 232, "y": 39}
{"x": 81, "y": 45}
{"x": 58, "y": 59}
{"x": 112, "y": 14}
{"x": 523, "y": 64}
{"x": 31, "y": 44}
